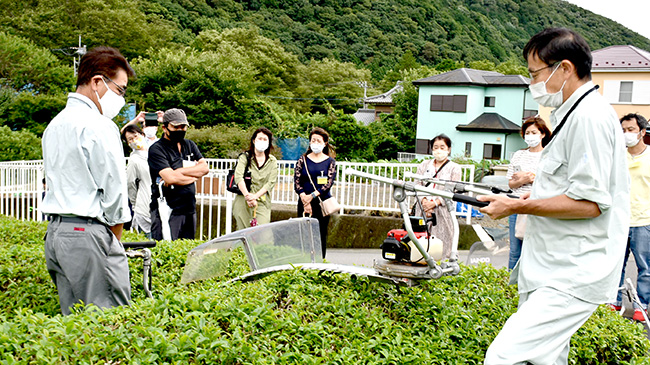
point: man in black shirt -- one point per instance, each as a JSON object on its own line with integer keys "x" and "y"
{"x": 177, "y": 163}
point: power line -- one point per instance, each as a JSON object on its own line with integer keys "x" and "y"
{"x": 314, "y": 99}
{"x": 76, "y": 52}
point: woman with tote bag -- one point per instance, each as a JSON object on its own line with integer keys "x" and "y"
{"x": 313, "y": 179}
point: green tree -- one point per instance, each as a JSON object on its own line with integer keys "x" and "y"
{"x": 32, "y": 112}
{"x": 26, "y": 66}
{"x": 406, "y": 62}
{"x": 57, "y": 24}
{"x": 513, "y": 67}
{"x": 351, "y": 139}
{"x": 19, "y": 145}
{"x": 396, "y": 132}
{"x": 7, "y": 97}
{"x": 212, "y": 87}
{"x": 330, "y": 82}
{"x": 484, "y": 65}
{"x": 276, "y": 71}
{"x": 220, "y": 141}
{"x": 448, "y": 65}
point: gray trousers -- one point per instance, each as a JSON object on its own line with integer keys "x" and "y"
{"x": 541, "y": 329}
{"x": 87, "y": 263}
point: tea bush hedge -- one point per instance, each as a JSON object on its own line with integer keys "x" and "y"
{"x": 290, "y": 317}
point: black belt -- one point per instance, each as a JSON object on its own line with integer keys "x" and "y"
{"x": 75, "y": 219}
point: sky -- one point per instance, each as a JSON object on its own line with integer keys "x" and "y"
{"x": 633, "y": 14}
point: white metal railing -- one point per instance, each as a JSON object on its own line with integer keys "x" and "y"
{"x": 21, "y": 190}
{"x": 410, "y": 156}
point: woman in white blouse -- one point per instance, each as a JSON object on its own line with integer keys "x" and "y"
{"x": 521, "y": 172}
{"x": 440, "y": 167}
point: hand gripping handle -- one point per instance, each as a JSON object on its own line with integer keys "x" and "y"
{"x": 469, "y": 200}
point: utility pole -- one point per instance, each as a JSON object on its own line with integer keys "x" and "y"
{"x": 80, "y": 51}
{"x": 364, "y": 85}
{"x": 77, "y": 53}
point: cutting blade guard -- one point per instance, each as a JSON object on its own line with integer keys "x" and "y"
{"x": 290, "y": 242}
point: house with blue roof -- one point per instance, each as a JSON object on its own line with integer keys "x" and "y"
{"x": 481, "y": 111}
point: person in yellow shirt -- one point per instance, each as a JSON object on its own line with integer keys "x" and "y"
{"x": 638, "y": 240}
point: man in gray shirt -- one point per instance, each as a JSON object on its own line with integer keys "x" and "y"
{"x": 86, "y": 181}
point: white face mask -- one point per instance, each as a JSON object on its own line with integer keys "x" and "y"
{"x": 543, "y": 97}
{"x": 317, "y": 147}
{"x": 533, "y": 140}
{"x": 261, "y": 146}
{"x": 631, "y": 139}
{"x": 150, "y": 132}
{"x": 111, "y": 103}
{"x": 440, "y": 155}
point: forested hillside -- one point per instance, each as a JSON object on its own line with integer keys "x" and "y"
{"x": 371, "y": 33}
{"x": 273, "y": 62}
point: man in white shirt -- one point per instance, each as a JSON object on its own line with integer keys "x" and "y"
{"x": 86, "y": 187}
{"x": 578, "y": 208}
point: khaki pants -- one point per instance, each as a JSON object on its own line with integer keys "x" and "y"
{"x": 87, "y": 263}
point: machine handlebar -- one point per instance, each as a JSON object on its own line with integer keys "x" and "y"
{"x": 143, "y": 244}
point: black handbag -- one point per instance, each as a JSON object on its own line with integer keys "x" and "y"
{"x": 231, "y": 186}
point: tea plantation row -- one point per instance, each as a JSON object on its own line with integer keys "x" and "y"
{"x": 291, "y": 317}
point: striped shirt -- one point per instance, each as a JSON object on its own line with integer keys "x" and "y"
{"x": 524, "y": 160}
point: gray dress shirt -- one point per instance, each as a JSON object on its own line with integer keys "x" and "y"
{"x": 84, "y": 164}
{"x": 586, "y": 160}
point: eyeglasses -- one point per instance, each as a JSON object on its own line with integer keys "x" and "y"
{"x": 121, "y": 89}
{"x": 533, "y": 73}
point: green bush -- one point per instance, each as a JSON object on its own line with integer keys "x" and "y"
{"x": 290, "y": 317}
{"x": 33, "y": 112}
{"x": 19, "y": 145}
{"x": 220, "y": 141}
{"x": 224, "y": 141}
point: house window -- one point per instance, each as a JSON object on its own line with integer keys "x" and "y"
{"x": 529, "y": 113}
{"x": 625, "y": 92}
{"x": 468, "y": 149}
{"x": 422, "y": 146}
{"x": 489, "y": 101}
{"x": 491, "y": 151}
{"x": 448, "y": 103}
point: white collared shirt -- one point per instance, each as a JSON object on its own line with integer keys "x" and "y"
{"x": 586, "y": 160}
{"x": 84, "y": 164}
{"x": 138, "y": 180}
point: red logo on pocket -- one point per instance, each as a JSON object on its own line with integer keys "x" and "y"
{"x": 79, "y": 229}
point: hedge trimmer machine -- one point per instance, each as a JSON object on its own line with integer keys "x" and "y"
{"x": 295, "y": 244}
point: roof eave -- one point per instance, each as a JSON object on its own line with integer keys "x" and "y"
{"x": 620, "y": 69}
{"x": 465, "y": 128}
{"x": 468, "y": 84}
